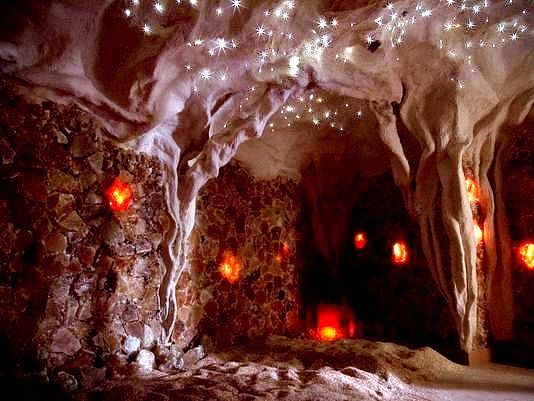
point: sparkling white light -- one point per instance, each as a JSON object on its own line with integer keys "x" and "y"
{"x": 285, "y": 47}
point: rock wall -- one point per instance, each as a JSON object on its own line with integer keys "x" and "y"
{"x": 78, "y": 283}
{"x": 255, "y": 220}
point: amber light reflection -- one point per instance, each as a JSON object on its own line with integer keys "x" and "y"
{"x": 472, "y": 190}
{"x": 525, "y": 253}
{"x": 283, "y": 254}
{"x": 479, "y": 234}
{"x": 230, "y": 267}
{"x": 400, "y": 253}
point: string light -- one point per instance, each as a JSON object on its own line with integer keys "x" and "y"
{"x": 159, "y": 7}
{"x": 237, "y": 5}
{"x": 260, "y": 31}
{"x": 205, "y": 74}
{"x": 466, "y": 26}
{"x": 221, "y": 45}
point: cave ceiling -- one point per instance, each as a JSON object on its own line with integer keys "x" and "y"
{"x": 195, "y": 66}
{"x": 420, "y": 88}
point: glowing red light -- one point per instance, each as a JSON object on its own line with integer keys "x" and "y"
{"x": 360, "y": 240}
{"x": 352, "y": 329}
{"x": 328, "y": 333}
{"x": 230, "y": 267}
{"x": 334, "y": 322}
{"x": 120, "y": 196}
{"x": 472, "y": 190}
{"x": 283, "y": 253}
{"x": 525, "y": 253}
{"x": 400, "y": 253}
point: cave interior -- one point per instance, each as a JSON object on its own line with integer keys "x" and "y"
{"x": 267, "y": 200}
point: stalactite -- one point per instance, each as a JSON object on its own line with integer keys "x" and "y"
{"x": 181, "y": 197}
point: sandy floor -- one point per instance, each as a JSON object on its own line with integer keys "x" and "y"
{"x": 284, "y": 369}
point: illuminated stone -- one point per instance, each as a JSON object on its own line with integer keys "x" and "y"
{"x": 526, "y": 255}
{"x": 472, "y": 190}
{"x": 360, "y": 240}
{"x": 400, "y": 253}
{"x": 119, "y": 195}
{"x": 230, "y": 267}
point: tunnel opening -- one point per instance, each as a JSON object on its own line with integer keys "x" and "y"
{"x": 382, "y": 279}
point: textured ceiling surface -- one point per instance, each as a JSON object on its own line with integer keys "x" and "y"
{"x": 199, "y": 65}
{"x": 418, "y": 88}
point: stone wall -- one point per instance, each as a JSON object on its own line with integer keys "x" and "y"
{"x": 255, "y": 220}
{"x": 78, "y": 283}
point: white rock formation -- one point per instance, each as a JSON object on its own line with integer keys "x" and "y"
{"x": 183, "y": 92}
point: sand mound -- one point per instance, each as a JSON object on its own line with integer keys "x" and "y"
{"x": 297, "y": 369}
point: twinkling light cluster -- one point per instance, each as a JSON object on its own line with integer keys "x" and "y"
{"x": 279, "y": 45}
{"x": 320, "y": 109}
{"x": 465, "y": 26}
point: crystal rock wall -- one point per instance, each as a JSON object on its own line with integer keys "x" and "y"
{"x": 255, "y": 221}
{"x": 78, "y": 283}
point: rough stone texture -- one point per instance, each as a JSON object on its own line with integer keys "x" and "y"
{"x": 454, "y": 105}
{"x": 194, "y": 355}
{"x": 73, "y": 283}
{"x": 145, "y": 360}
{"x": 297, "y": 370}
{"x": 133, "y": 84}
{"x": 253, "y": 219}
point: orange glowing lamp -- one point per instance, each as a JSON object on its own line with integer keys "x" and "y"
{"x": 283, "y": 253}
{"x": 334, "y": 322}
{"x": 360, "y": 240}
{"x": 472, "y": 190}
{"x": 526, "y": 254}
{"x": 119, "y": 195}
{"x": 327, "y": 333}
{"x": 400, "y": 254}
{"x": 230, "y": 268}
{"x": 479, "y": 234}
